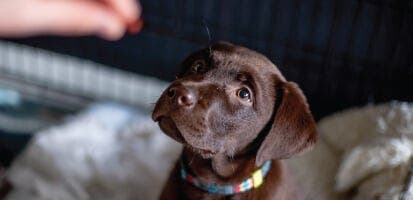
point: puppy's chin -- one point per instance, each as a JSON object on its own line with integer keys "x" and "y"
{"x": 205, "y": 154}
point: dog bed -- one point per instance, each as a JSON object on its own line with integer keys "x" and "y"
{"x": 109, "y": 152}
{"x": 105, "y": 152}
{"x": 362, "y": 153}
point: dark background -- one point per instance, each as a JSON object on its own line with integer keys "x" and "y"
{"x": 342, "y": 53}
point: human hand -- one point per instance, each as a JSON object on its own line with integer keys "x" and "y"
{"x": 108, "y": 19}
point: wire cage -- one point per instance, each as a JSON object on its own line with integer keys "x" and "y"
{"x": 39, "y": 88}
{"x": 71, "y": 82}
{"x": 341, "y": 53}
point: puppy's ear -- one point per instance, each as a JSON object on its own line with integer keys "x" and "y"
{"x": 293, "y": 130}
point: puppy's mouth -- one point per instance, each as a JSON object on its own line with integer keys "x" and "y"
{"x": 158, "y": 118}
{"x": 169, "y": 127}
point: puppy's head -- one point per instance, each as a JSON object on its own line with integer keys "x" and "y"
{"x": 228, "y": 97}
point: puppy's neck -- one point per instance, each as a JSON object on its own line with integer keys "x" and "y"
{"x": 220, "y": 168}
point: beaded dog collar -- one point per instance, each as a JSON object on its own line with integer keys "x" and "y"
{"x": 253, "y": 181}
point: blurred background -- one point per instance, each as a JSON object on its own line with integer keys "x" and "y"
{"x": 342, "y": 54}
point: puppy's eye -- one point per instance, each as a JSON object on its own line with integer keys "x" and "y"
{"x": 244, "y": 94}
{"x": 198, "y": 66}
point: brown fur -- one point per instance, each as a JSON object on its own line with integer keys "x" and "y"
{"x": 227, "y": 137}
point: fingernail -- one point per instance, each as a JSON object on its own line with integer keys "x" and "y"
{"x": 135, "y": 27}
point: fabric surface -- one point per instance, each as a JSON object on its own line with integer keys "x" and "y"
{"x": 363, "y": 153}
{"x": 106, "y": 152}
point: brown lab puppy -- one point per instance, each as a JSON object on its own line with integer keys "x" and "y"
{"x": 233, "y": 110}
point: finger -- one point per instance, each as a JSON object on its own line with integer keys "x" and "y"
{"x": 129, "y": 9}
{"x": 75, "y": 18}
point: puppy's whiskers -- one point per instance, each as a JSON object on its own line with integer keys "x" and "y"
{"x": 209, "y": 36}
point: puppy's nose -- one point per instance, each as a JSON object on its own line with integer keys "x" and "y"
{"x": 182, "y": 96}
